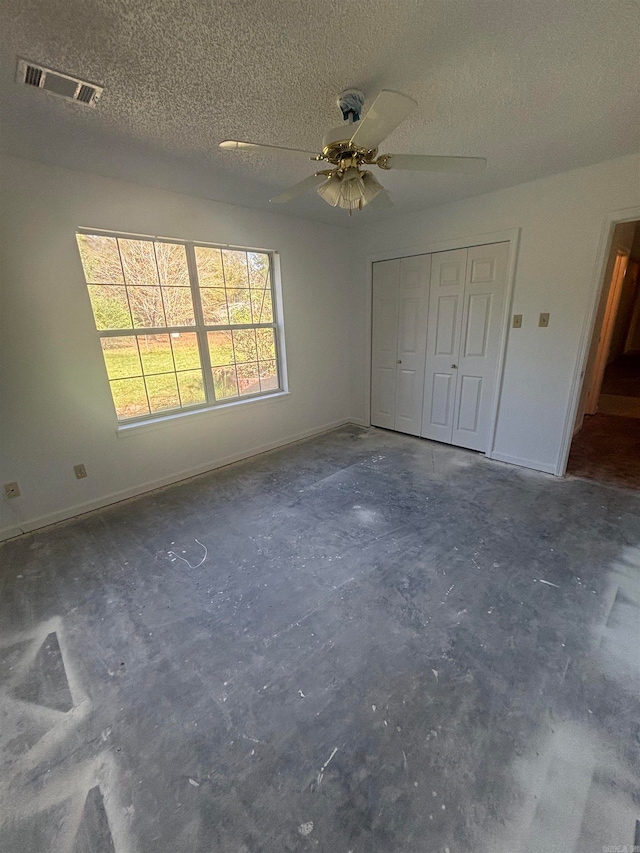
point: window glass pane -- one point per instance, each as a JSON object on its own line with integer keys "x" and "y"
{"x": 239, "y": 306}
{"x": 261, "y": 305}
{"x": 163, "y": 392}
{"x": 121, "y": 356}
{"x": 191, "y": 387}
{"x": 214, "y": 306}
{"x": 236, "y": 273}
{"x": 185, "y": 350}
{"x": 258, "y": 264}
{"x": 209, "y": 264}
{"x": 138, "y": 262}
{"x": 155, "y": 351}
{"x": 146, "y": 307}
{"x": 248, "y": 380}
{"x": 224, "y": 382}
{"x": 129, "y": 398}
{"x": 145, "y": 285}
{"x": 100, "y": 259}
{"x": 267, "y": 309}
{"x": 266, "y": 344}
{"x": 268, "y": 376}
{"x": 244, "y": 345}
{"x": 110, "y": 306}
{"x": 220, "y": 348}
{"x": 171, "y": 259}
{"x": 178, "y": 306}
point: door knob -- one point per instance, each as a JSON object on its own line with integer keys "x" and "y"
{"x": 454, "y": 366}
{"x": 399, "y": 361}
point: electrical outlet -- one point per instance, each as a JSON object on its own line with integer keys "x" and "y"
{"x": 544, "y": 321}
{"x": 80, "y": 471}
{"x": 12, "y": 490}
{"x": 517, "y": 321}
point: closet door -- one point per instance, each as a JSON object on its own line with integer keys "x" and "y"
{"x": 484, "y": 295}
{"x": 384, "y": 343}
{"x": 448, "y": 274}
{"x": 413, "y": 305}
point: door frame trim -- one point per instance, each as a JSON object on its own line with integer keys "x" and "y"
{"x": 627, "y": 214}
{"x": 511, "y": 236}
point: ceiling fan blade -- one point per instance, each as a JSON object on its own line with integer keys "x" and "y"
{"x": 310, "y": 183}
{"x": 382, "y": 200}
{"x": 387, "y": 111}
{"x": 428, "y": 163}
{"x": 236, "y": 145}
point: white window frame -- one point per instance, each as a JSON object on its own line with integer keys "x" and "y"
{"x": 200, "y": 329}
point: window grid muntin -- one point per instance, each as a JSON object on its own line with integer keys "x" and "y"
{"x": 199, "y": 329}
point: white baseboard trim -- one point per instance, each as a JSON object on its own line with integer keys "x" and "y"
{"x": 116, "y": 497}
{"x": 10, "y": 532}
{"x": 524, "y": 463}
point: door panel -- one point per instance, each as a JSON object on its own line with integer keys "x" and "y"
{"x": 409, "y": 338}
{"x": 384, "y": 344}
{"x": 386, "y": 391}
{"x": 482, "y": 270}
{"x": 412, "y": 339}
{"x": 405, "y": 395}
{"x": 446, "y": 325}
{"x": 448, "y": 275}
{"x": 484, "y": 297}
{"x": 441, "y": 399}
{"x": 477, "y": 325}
{"x": 388, "y": 324}
{"x": 469, "y": 408}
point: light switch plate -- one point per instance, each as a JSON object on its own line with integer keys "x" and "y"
{"x": 517, "y": 321}
{"x": 12, "y": 490}
{"x": 544, "y": 321}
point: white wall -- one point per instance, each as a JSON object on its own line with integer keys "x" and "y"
{"x": 56, "y": 406}
{"x": 561, "y": 220}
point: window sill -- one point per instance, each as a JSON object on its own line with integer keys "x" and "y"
{"x": 124, "y": 430}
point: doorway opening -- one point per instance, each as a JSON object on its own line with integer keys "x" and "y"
{"x": 606, "y": 440}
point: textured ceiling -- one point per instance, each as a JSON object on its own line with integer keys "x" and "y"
{"x": 536, "y": 86}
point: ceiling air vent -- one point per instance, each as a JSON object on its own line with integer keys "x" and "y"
{"x": 62, "y": 85}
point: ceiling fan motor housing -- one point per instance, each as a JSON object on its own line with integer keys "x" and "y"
{"x": 351, "y": 102}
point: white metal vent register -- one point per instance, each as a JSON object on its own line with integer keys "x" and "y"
{"x": 56, "y": 83}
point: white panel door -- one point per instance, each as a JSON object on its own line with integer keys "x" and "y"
{"x": 384, "y": 343}
{"x": 448, "y": 274}
{"x": 484, "y": 295}
{"x": 413, "y": 306}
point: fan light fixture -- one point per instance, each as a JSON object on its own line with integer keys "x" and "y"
{"x": 353, "y": 145}
{"x": 349, "y": 188}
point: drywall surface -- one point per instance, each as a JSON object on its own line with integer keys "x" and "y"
{"x": 57, "y": 409}
{"x": 561, "y": 220}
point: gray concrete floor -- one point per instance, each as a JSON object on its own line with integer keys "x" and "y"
{"x": 364, "y": 642}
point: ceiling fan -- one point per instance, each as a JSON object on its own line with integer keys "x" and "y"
{"x": 353, "y": 145}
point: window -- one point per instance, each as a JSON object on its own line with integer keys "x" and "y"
{"x": 181, "y": 325}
